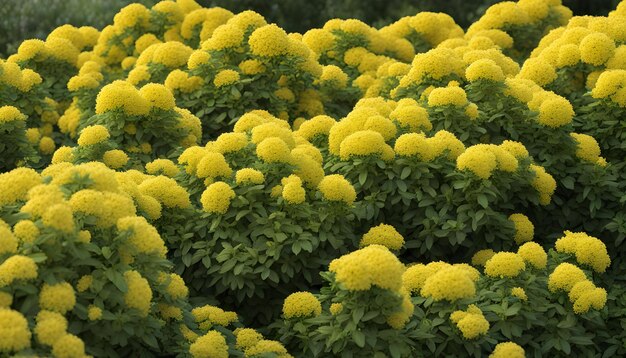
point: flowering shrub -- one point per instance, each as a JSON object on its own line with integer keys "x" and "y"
{"x": 269, "y": 217}
{"x": 483, "y": 184}
{"x": 186, "y": 173}
{"x": 372, "y": 302}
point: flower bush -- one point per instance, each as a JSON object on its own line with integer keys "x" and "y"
{"x": 194, "y": 182}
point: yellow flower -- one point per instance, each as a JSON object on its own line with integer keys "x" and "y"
{"x": 544, "y": 183}
{"x": 555, "y": 112}
{"x": 524, "y": 228}
{"x": 595, "y": 298}
{"x": 59, "y": 297}
{"x": 251, "y": 67}
{"x": 93, "y": 135}
{"x": 413, "y": 117}
{"x": 450, "y": 283}
{"x": 17, "y": 268}
{"x": 447, "y": 96}
{"x": 14, "y": 332}
{"x": 226, "y": 77}
{"x": 249, "y": 176}
{"x": 266, "y": 346}
{"x": 162, "y": 167}
{"x": 484, "y": 69}
{"x": 10, "y": 113}
{"x": 587, "y": 147}
{"x": 294, "y": 193}
{"x": 167, "y": 191}
{"x": 84, "y": 283}
{"x": 538, "y": 70}
{"x": 273, "y": 150}
{"x": 115, "y": 159}
{"x": 505, "y": 264}
{"x": 60, "y": 217}
{"x": 472, "y": 324}
{"x": 533, "y": 254}
{"x": 301, "y": 305}
{"x": 481, "y": 257}
{"x": 224, "y": 37}
{"x": 144, "y": 238}
{"x": 6, "y": 299}
{"x": 50, "y": 327}
{"x": 596, "y": 48}
{"x": 210, "y": 345}
{"x": 68, "y": 346}
{"x": 139, "y": 294}
{"x": 208, "y": 315}
{"x": 247, "y": 337}
{"x": 365, "y": 143}
{"x": 372, "y": 265}
{"x": 564, "y": 277}
{"x": 336, "y": 308}
{"x": 385, "y": 235}
{"x": 63, "y": 154}
{"x": 158, "y": 95}
{"x": 519, "y": 293}
{"x": 508, "y": 350}
{"x": 478, "y": 159}
{"x": 334, "y": 76}
{"x": 269, "y": 41}
{"x": 588, "y": 250}
{"x": 26, "y": 231}
{"x": 335, "y": 187}
{"x": 216, "y": 198}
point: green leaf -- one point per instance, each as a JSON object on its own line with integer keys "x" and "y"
{"x": 359, "y": 338}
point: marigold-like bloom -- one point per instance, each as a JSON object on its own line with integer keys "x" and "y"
{"x": 385, "y": 235}
{"x": 301, "y": 305}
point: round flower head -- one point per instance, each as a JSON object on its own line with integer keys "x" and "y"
{"x": 273, "y": 150}
{"x": 93, "y": 135}
{"x": 524, "y": 228}
{"x": 481, "y": 257}
{"x": 508, "y": 350}
{"x": 504, "y": 264}
{"x": 555, "y": 112}
{"x": 226, "y": 77}
{"x": 478, "y": 159}
{"x": 59, "y": 297}
{"x": 14, "y": 333}
{"x": 216, "y": 198}
{"x": 484, "y": 69}
{"x": 269, "y": 41}
{"x": 564, "y": 277}
{"x": 335, "y": 187}
{"x": 385, "y": 235}
{"x": 372, "y": 265}
{"x": 247, "y": 176}
{"x": 158, "y": 95}
{"x": 519, "y": 293}
{"x": 451, "y": 284}
{"x": 247, "y": 337}
{"x": 301, "y": 305}
{"x": 596, "y": 48}
{"x": 17, "y": 268}
{"x": 447, "y": 96}
{"x": 587, "y": 147}
{"x": 533, "y": 254}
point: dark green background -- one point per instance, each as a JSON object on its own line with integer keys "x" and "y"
{"x": 24, "y": 19}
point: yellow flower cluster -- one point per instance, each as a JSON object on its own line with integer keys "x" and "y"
{"x": 427, "y": 149}
{"x": 162, "y": 167}
{"x": 505, "y": 264}
{"x": 293, "y": 192}
{"x": 385, "y": 235}
{"x": 564, "y": 277}
{"x": 247, "y": 176}
{"x": 587, "y": 249}
{"x": 481, "y": 257}
{"x": 269, "y": 41}
{"x": 447, "y": 96}
{"x": 449, "y": 283}
{"x": 14, "y": 332}
{"x": 17, "y": 268}
{"x": 301, "y": 305}
{"x": 471, "y": 322}
{"x": 144, "y": 237}
{"x": 226, "y": 77}
{"x": 554, "y": 111}
{"x": 484, "y": 69}
{"x": 587, "y": 147}
{"x": 508, "y": 350}
{"x": 167, "y": 191}
{"x": 217, "y": 197}
{"x": 10, "y": 113}
{"x": 59, "y": 297}
{"x": 373, "y": 265}
{"x": 519, "y": 293}
{"x": 544, "y": 183}
{"x": 484, "y": 159}
{"x": 12, "y": 75}
{"x": 335, "y": 187}
{"x": 524, "y": 228}
{"x": 408, "y": 114}
{"x": 267, "y": 347}
{"x": 139, "y": 294}
{"x": 533, "y": 254}
{"x": 212, "y": 344}
{"x": 611, "y": 84}
{"x": 585, "y": 295}
{"x": 208, "y": 315}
